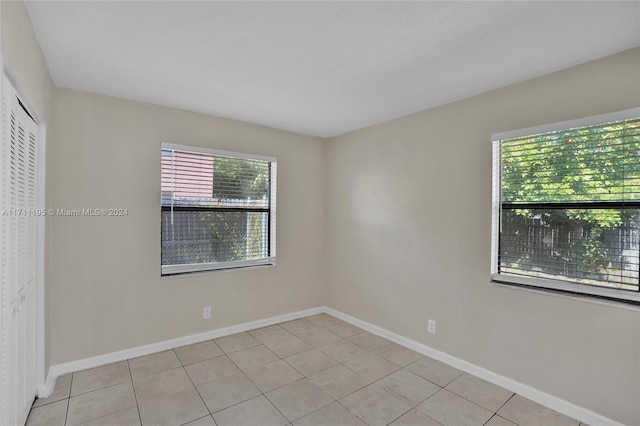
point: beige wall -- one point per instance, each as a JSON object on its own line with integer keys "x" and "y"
{"x": 24, "y": 57}
{"x": 106, "y": 289}
{"x": 25, "y": 62}
{"x": 409, "y": 226}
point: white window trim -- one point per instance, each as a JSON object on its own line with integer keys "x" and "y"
{"x": 216, "y": 266}
{"x": 543, "y": 283}
{"x": 568, "y": 124}
{"x": 169, "y": 270}
{"x": 217, "y": 152}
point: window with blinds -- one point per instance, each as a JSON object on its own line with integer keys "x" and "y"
{"x": 566, "y": 206}
{"x": 218, "y": 210}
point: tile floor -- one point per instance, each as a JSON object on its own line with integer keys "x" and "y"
{"x": 317, "y": 370}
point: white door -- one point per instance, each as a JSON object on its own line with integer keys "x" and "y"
{"x": 18, "y": 162}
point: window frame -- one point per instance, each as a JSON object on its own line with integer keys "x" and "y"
{"x": 547, "y": 284}
{"x": 168, "y": 270}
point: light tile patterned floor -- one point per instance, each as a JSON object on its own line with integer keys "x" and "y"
{"x": 317, "y": 370}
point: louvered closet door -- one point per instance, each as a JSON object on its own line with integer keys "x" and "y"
{"x": 18, "y": 163}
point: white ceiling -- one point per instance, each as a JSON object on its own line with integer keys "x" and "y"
{"x": 319, "y": 68}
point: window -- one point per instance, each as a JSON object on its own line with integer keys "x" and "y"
{"x": 566, "y": 206}
{"x": 218, "y": 210}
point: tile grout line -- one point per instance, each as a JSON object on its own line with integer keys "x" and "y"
{"x": 473, "y": 402}
{"x": 194, "y": 387}
{"x": 191, "y": 380}
{"x": 468, "y": 400}
{"x": 263, "y": 394}
{"x": 225, "y": 354}
{"x": 248, "y": 378}
{"x": 304, "y": 377}
{"x": 368, "y": 351}
{"x": 412, "y": 408}
{"x": 135, "y": 396}
{"x": 66, "y": 414}
{"x": 505, "y": 403}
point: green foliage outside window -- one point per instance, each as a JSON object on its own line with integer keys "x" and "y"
{"x": 238, "y": 235}
{"x": 597, "y": 164}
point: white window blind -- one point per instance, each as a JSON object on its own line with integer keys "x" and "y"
{"x": 567, "y": 206}
{"x": 218, "y": 209}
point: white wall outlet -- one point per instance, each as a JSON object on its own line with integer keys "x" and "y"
{"x": 206, "y": 312}
{"x": 431, "y": 326}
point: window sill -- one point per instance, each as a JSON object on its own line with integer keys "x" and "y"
{"x": 181, "y": 270}
{"x": 503, "y": 281}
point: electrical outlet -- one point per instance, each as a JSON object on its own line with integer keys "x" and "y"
{"x": 206, "y": 312}
{"x": 431, "y": 326}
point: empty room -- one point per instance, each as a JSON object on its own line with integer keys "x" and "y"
{"x": 357, "y": 213}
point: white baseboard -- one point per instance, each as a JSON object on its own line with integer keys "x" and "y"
{"x": 560, "y": 405}
{"x": 555, "y": 403}
{"x": 96, "y": 361}
{"x": 46, "y": 389}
